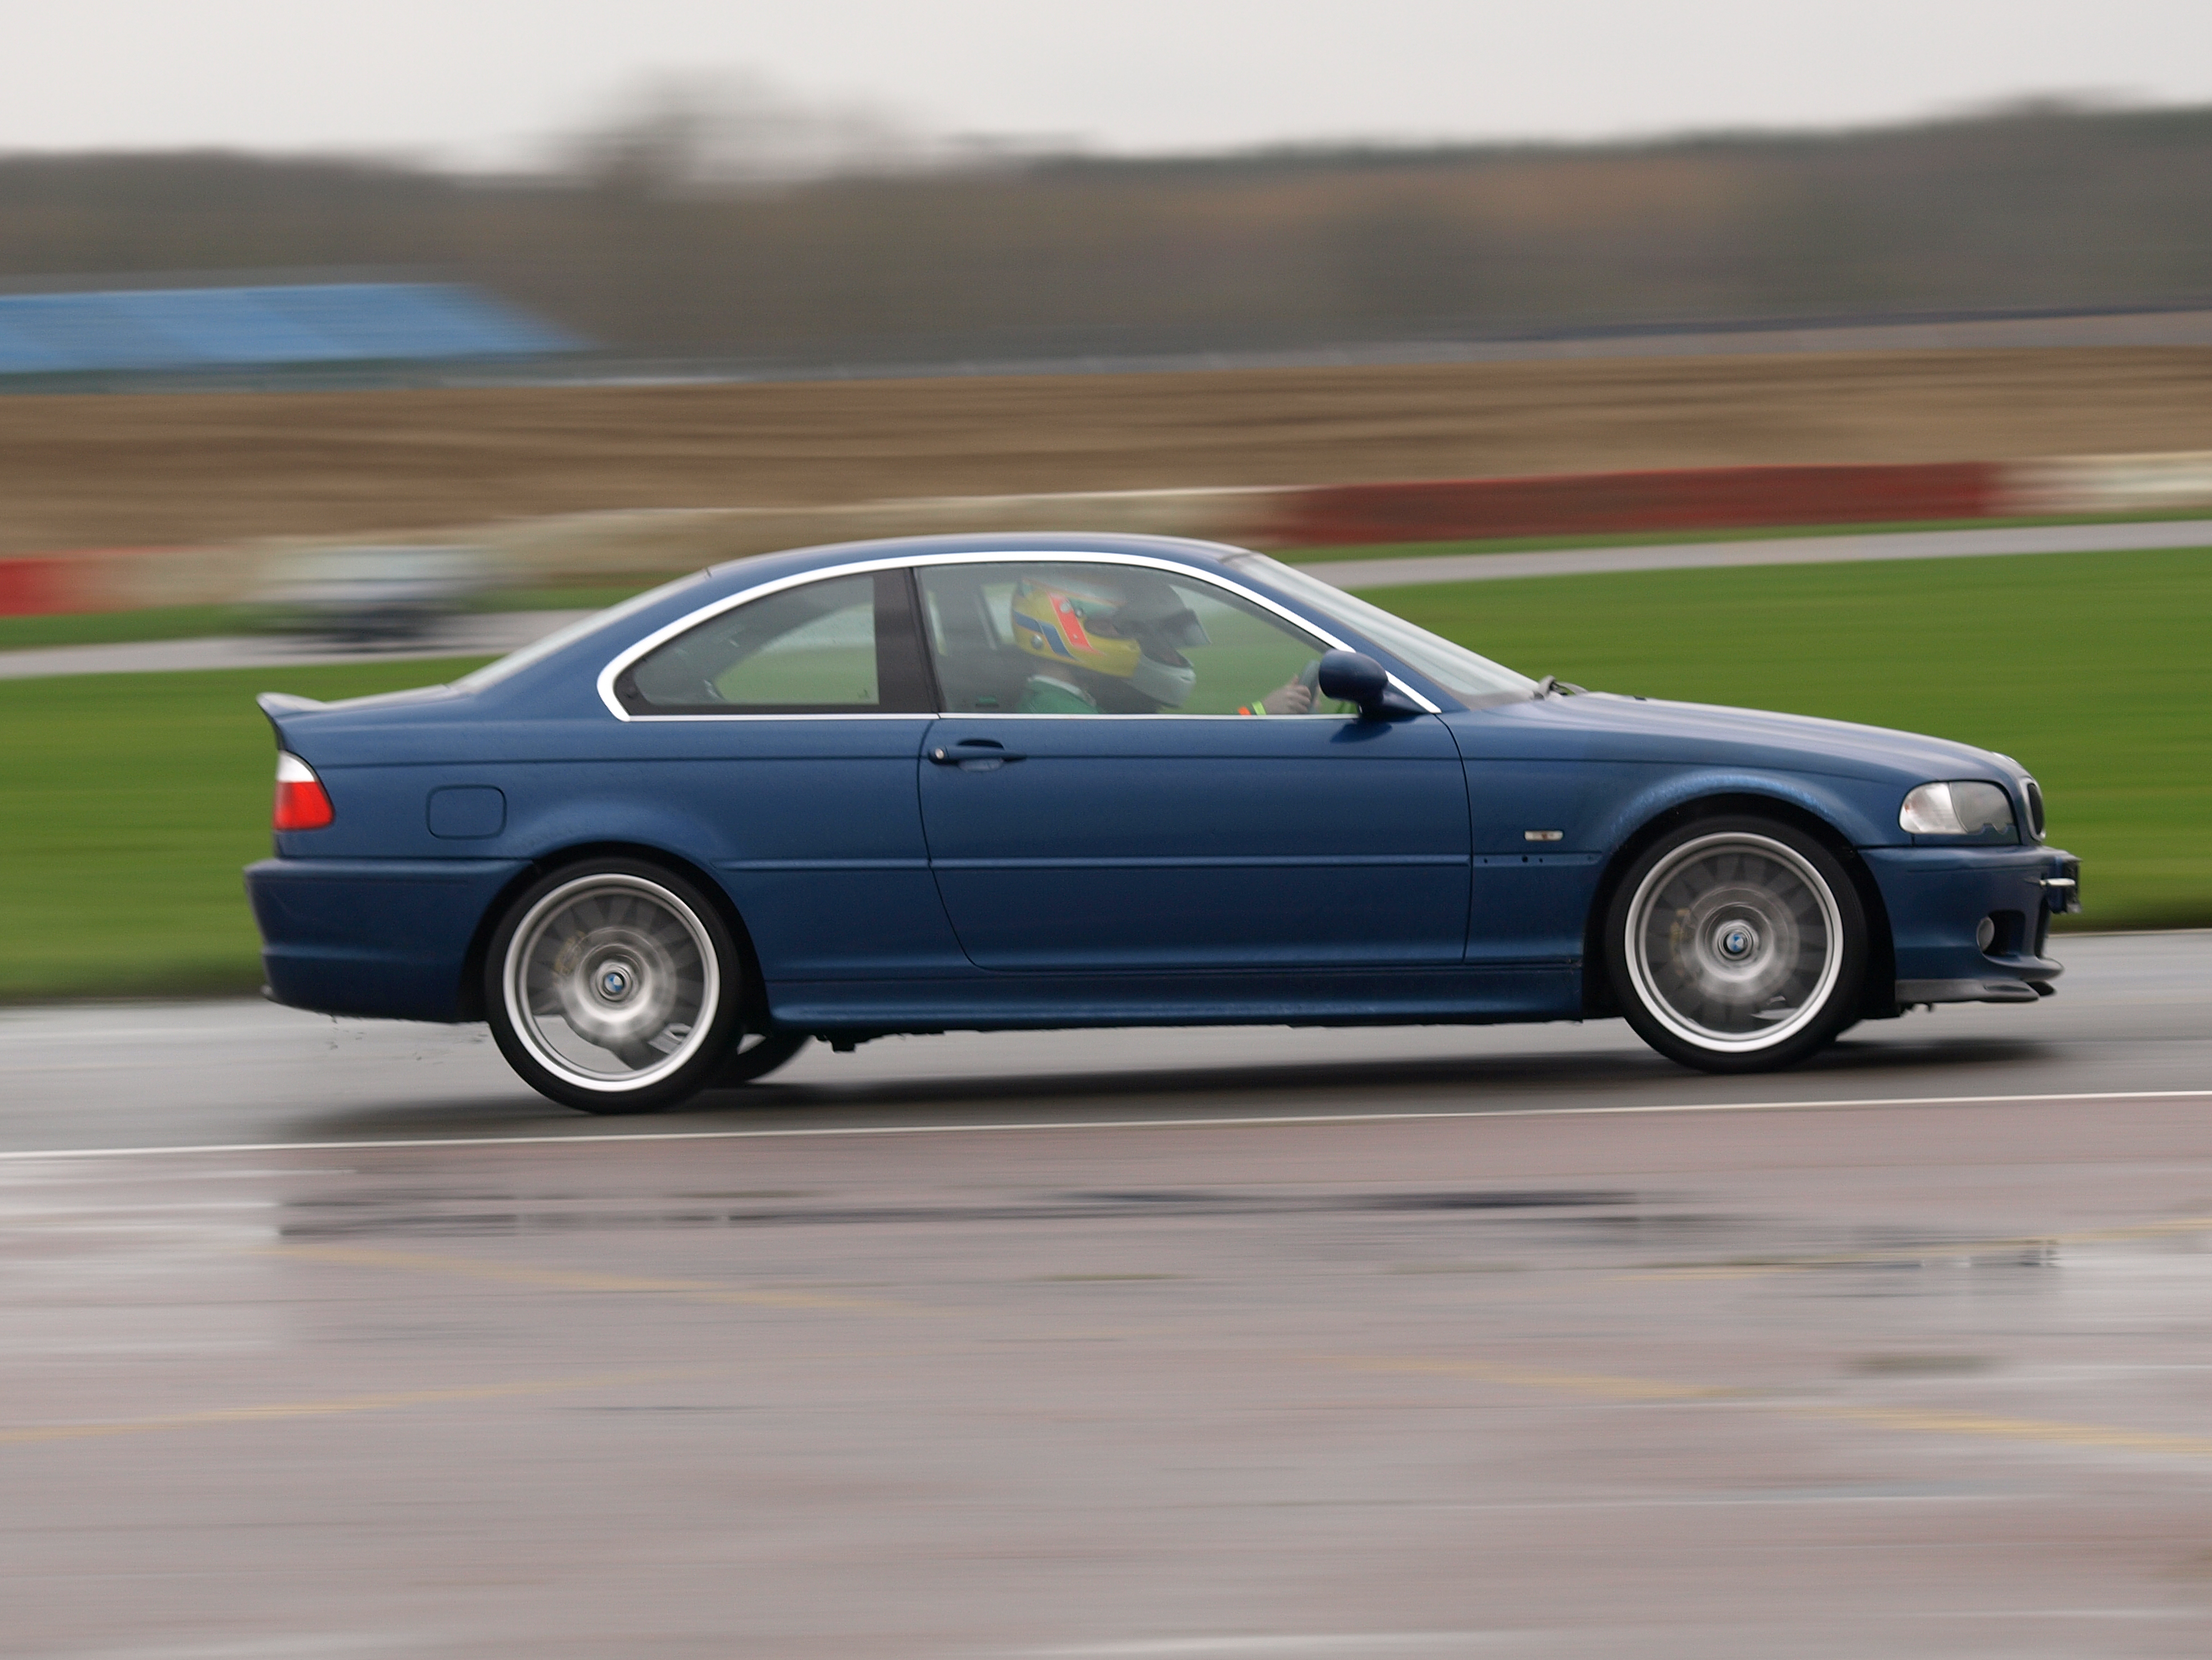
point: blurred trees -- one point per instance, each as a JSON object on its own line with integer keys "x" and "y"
{"x": 851, "y": 249}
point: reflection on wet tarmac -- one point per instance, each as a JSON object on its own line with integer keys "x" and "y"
{"x": 1924, "y": 1379}
{"x": 1921, "y": 1365}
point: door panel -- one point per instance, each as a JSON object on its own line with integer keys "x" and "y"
{"x": 812, "y": 826}
{"x": 1097, "y": 841}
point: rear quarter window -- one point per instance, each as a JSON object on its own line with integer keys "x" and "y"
{"x": 845, "y": 645}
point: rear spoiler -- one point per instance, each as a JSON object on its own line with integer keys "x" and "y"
{"x": 276, "y": 705}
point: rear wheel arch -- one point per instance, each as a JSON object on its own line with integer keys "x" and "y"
{"x": 1879, "y": 999}
{"x": 471, "y": 999}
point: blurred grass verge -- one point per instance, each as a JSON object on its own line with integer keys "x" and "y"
{"x": 134, "y": 799}
{"x": 1659, "y": 538}
{"x": 2092, "y": 670}
{"x": 108, "y": 628}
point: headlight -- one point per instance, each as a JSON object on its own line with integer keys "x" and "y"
{"x": 1958, "y": 809}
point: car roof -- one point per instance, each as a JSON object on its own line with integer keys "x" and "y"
{"x": 768, "y": 567}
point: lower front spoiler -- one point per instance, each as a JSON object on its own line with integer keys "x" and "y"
{"x": 1970, "y": 924}
{"x": 1910, "y": 992}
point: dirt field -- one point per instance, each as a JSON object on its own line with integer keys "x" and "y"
{"x": 129, "y": 471}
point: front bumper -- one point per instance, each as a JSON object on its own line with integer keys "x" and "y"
{"x": 386, "y": 937}
{"x": 1939, "y": 899}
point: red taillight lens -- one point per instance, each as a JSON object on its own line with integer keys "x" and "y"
{"x": 302, "y": 804}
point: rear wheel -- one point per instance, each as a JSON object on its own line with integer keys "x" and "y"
{"x": 1737, "y": 945}
{"x": 755, "y": 1056}
{"x": 615, "y": 987}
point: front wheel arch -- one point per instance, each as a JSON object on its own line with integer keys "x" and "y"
{"x": 1878, "y": 998}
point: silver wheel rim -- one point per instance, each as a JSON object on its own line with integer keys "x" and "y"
{"x": 1734, "y": 942}
{"x": 611, "y": 982}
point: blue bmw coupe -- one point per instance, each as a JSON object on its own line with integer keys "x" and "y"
{"x": 986, "y": 782}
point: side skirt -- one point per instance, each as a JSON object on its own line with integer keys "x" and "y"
{"x": 1450, "y": 996}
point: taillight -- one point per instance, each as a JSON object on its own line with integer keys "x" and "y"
{"x": 302, "y": 803}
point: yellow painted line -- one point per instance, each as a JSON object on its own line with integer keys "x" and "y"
{"x": 1225, "y": 1121}
{"x": 2023, "y": 1429}
{"x": 2178, "y": 1225}
{"x": 1595, "y": 1385}
{"x": 1918, "y": 1421}
{"x": 463, "y": 1268}
{"x": 339, "y": 1407}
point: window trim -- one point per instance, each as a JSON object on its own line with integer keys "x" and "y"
{"x": 910, "y": 562}
{"x": 908, "y": 688}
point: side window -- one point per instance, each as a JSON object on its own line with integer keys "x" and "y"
{"x": 1036, "y": 637}
{"x": 844, "y": 645}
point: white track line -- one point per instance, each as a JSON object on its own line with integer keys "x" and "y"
{"x": 1267, "y": 1120}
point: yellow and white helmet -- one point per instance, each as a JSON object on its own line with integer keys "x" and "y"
{"x": 1132, "y": 637}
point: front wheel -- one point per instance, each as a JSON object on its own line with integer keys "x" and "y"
{"x": 1736, "y": 945}
{"x": 614, "y": 987}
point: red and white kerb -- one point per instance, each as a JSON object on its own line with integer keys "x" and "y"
{"x": 302, "y": 803}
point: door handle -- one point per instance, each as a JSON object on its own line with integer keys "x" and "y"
{"x": 975, "y": 755}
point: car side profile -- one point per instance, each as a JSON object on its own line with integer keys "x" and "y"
{"x": 1007, "y": 781}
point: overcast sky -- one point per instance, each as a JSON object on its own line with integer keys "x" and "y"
{"x": 485, "y": 82}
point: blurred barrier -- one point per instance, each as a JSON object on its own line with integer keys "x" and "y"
{"x": 128, "y": 579}
{"x": 591, "y": 546}
{"x": 1699, "y": 498}
{"x": 2109, "y": 483}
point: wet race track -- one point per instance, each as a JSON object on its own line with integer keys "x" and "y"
{"x": 1249, "y": 1343}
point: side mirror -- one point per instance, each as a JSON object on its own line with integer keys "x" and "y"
{"x": 1351, "y": 677}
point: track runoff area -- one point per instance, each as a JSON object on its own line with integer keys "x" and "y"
{"x": 326, "y": 1337}
{"x": 1225, "y": 1343}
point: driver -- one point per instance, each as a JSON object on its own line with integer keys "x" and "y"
{"x": 1118, "y": 653}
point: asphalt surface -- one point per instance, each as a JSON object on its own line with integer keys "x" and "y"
{"x": 488, "y": 633}
{"x": 1957, "y": 332}
{"x": 1951, "y": 331}
{"x": 1511, "y": 1342}
{"x": 504, "y": 631}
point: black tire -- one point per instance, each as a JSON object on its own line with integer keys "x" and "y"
{"x": 1736, "y": 945}
{"x": 748, "y": 1062}
{"x": 615, "y": 986}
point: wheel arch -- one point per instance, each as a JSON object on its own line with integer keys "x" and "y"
{"x": 470, "y": 998}
{"x": 1879, "y": 999}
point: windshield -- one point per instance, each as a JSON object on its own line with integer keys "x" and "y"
{"x": 537, "y": 650}
{"x": 1460, "y": 672}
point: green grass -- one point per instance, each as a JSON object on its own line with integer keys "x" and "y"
{"x": 133, "y": 800}
{"x": 1746, "y": 533}
{"x": 121, "y": 627}
{"x": 2092, "y": 670}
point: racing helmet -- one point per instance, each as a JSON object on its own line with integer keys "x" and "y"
{"x": 1134, "y": 637}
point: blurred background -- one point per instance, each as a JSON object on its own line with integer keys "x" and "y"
{"x": 414, "y": 333}
{"x": 344, "y": 348}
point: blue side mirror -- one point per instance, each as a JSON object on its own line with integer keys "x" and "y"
{"x": 1351, "y": 677}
